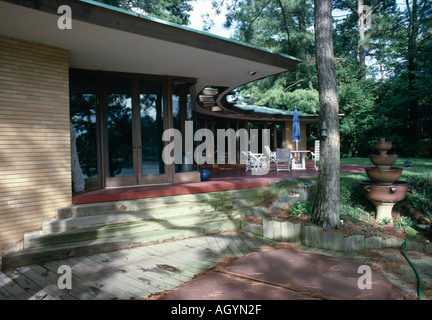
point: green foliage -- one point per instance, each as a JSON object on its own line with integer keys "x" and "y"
{"x": 353, "y": 206}
{"x": 405, "y": 222}
{"x": 175, "y": 11}
{"x": 420, "y": 195}
{"x": 409, "y": 231}
{"x": 300, "y": 207}
{"x": 307, "y": 101}
{"x": 391, "y": 96}
{"x": 385, "y": 221}
{"x": 354, "y": 214}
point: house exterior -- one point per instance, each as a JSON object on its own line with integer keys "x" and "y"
{"x": 119, "y": 80}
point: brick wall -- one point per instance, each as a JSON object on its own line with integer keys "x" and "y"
{"x": 35, "y": 171}
{"x": 288, "y": 142}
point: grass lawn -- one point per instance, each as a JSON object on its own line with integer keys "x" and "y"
{"x": 416, "y": 162}
{"x": 356, "y": 209}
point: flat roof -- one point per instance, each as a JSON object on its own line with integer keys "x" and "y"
{"x": 108, "y": 38}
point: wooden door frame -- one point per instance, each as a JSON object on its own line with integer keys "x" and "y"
{"x": 103, "y": 180}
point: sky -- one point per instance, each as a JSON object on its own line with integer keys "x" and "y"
{"x": 204, "y": 6}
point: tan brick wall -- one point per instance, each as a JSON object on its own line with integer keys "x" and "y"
{"x": 35, "y": 174}
{"x": 288, "y": 142}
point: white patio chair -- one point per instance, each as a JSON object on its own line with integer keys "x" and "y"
{"x": 270, "y": 154}
{"x": 257, "y": 161}
{"x": 283, "y": 159}
{"x": 316, "y": 154}
{"x": 248, "y": 161}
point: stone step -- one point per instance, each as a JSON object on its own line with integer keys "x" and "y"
{"x": 85, "y": 221}
{"x": 101, "y": 227}
{"x": 68, "y": 250}
{"x": 239, "y": 198}
{"x": 121, "y": 229}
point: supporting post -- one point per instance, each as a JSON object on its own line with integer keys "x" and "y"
{"x": 384, "y": 210}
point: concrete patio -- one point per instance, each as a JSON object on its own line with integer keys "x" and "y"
{"x": 149, "y": 271}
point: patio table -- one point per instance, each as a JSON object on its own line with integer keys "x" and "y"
{"x": 299, "y": 159}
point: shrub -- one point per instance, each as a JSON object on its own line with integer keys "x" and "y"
{"x": 385, "y": 221}
{"x": 300, "y": 207}
{"x": 410, "y": 231}
{"x": 354, "y": 214}
{"x": 419, "y": 198}
{"x": 404, "y": 222}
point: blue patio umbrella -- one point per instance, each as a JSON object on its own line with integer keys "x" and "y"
{"x": 296, "y": 128}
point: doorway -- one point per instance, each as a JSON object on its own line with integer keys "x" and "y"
{"x": 119, "y": 120}
{"x": 134, "y": 116}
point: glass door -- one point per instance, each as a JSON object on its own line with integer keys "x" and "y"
{"x": 151, "y": 126}
{"x": 84, "y": 112}
{"x": 134, "y": 127}
{"x": 120, "y": 166}
{"x": 119, "y": 120}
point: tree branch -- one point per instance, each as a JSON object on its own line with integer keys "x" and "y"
{"x": 285, "y": 25}
{"x": 257, "y": 16}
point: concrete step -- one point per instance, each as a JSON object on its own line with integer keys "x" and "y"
{"x": 121, "y": 229}
{"x": 239, "y": 198}
{"x": 85, "y": 221}
{"x": 74, "y": 249}
{"x": 101, "y": 227}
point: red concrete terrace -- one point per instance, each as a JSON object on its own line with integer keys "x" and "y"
{"x": 222, "y": 179}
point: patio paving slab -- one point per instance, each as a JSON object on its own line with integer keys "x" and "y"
{"x": 286, "y": 274}
{"x": 231, "y": 265}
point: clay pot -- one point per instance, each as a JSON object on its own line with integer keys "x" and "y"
{"x": 382, "y": 146}
{"x": 383, "y": 176}
{"x": 383, "y": 161}
{"x": 384, "y": 193}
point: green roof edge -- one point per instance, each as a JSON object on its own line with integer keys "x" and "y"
{"x": 178, "y": 26}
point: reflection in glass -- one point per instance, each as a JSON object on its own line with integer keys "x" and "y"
{"x": 119, "y": 126}
{"x": 279, "y": 134}
{"x": 182, "y": 112}
{"x": 221, "y": 157}
{"x": 83, "y": 118}
{"x": 151, "y": 115}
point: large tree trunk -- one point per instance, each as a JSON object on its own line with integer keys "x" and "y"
{"x": 325, "y": 209}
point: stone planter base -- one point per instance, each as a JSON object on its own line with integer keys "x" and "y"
{"x": 315, "y": 236}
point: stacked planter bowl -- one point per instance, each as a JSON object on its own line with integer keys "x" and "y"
{"x": 383, "y": 189}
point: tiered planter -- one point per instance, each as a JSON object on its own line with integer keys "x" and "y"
{"x": 383, "y": 189}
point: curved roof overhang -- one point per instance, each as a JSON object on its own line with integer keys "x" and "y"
{"x": 111, "y": 39}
